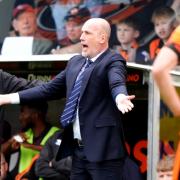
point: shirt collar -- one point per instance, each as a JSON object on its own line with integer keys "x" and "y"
{"x": 94, "y": 58}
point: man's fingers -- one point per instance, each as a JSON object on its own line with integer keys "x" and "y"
{"x": 123, "y": 111}
{"x": 129, "y": 108}
{"x": 120, "y": 107}
{"x": 130, "y": 104}
{"x": 125, "y": 105}
{"x": 125, "y": 108}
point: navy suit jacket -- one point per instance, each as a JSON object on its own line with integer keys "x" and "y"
{"x": 100, "y": 120}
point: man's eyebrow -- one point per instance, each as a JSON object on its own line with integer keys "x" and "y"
{"x": 86, "y": 31}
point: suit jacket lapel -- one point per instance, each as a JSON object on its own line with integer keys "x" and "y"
{"x": 73, "y": 74}
{"x": 90, "y": 70}
{"x": 101, "y": 57}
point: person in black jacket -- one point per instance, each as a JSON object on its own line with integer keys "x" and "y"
{"x": 48, "y": 165}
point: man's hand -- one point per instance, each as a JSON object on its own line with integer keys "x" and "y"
{"x": 124, "y": 103}
{"x": 4, "y": 99}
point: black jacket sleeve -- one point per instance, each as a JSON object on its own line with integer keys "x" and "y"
{"x": 10, "y": 83}
{"x": 47, "y": 167}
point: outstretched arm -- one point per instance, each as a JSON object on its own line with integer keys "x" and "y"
{"x": 47, "y": 91}
{"x": 117, "y": 80}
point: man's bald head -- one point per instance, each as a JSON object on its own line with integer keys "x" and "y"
{"x": 101, "y": 24}
{"x": 95, "y": 37}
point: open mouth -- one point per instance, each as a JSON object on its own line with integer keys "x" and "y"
{"x": 84, "y": 46}
{"x": 162, "y": 32}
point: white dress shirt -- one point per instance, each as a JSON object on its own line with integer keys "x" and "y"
{"x": 76, "y": 126}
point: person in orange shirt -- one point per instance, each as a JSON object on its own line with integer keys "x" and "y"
{"x": 167, "y": 59}
{"x": 127, "y": 32}
{"x": 163, "y": 19}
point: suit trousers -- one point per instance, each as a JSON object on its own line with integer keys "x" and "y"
{"x": 82, "y": 169}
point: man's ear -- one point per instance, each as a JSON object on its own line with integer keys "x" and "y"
{"x": 14, "y": 24}
{"x": 103, "y": 38}
{"x": 137, "y": 34}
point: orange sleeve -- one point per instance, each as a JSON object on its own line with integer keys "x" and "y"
{"x": 175, "y": 36}
{"x": 174, "y": 41}
{"x": 176, "y": 169}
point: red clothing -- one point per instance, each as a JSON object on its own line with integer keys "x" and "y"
{"x": 155, "y": 47}
{"x": 124, "y": 52}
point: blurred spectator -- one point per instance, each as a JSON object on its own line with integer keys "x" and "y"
{"x": 127, "y": 32}
{"x": 74, "y": 19}
{"x": 24, "y": 20}
{"x": 163, "y": 19}
{"x": 73, "y": 23}
{"x": 48, "y": 165}
{"x": 35, "y": 132}
{"x": 165, "y": 168}
{"x": 24, "y": 24}
{"x": 59, "y": 10}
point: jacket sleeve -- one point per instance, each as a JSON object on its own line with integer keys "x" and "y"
{"x": 51, "y": 90}
{"x": 117, "y": 74}
{"x": 63, "y": 165}
{"x": 11, "y": 83}
{"x": 44, "y": 168}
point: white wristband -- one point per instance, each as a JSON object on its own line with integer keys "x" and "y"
{"x": 14, "y": 98}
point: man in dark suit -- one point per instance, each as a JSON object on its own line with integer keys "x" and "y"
{"x": 95, "y": 131}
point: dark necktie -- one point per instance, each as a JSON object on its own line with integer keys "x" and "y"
{"x": 70, "y": 109}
